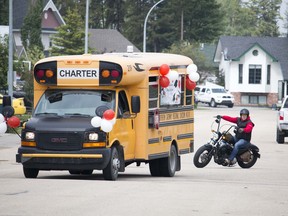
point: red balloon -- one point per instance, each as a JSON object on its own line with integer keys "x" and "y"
{"x": 164, "y": 81}
{"x": 13, "y": 122}
{"x": 190, "y": 84}
{"x": 109, "y": 114}
{"x": 164, "y": 69}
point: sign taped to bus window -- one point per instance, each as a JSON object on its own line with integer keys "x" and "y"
{"x": 171, "y": 95}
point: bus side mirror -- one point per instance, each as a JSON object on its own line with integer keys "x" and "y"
{"x": 135, "y": 104}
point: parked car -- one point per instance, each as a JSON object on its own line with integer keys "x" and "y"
{"x": 282, "y": 122}
{"x": 17, "y": 104}
{"x": 214, "y": 96}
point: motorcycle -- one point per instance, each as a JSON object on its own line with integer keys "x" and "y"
{"x": 221, "y": 145}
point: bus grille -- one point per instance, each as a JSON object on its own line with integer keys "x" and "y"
{"x": 59, "y": 141}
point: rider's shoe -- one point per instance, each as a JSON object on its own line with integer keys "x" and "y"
{"x": 233, "y": 162}
{"x": 227, "y": 162}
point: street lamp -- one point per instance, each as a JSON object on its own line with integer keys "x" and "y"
{"x": 145, "y": 24}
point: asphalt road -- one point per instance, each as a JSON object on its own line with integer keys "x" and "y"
{"x": 213, "y": 190}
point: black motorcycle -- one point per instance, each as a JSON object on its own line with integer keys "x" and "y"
{"x": 221, "y": 145}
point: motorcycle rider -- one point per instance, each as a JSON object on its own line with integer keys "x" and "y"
{"x": 243, "y": 133}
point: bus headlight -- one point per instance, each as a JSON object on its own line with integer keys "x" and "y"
{"x": 30, "y": 136}
{"x": 93, "y": 137}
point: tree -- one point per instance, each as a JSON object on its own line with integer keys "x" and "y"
{"x": 266, "y": 14}
{"x": 3, "y": 62}
{"x": 31, "y": 29}
{"x": 34, "y": 54}
{"x": 70, "y": 37}
{"x": 239, "y": 20}
{"x": 4, "y": 12}
{"x": 193, "y": 51}
{"x": 202, "y": 22}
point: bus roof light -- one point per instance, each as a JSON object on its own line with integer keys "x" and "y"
{"x": 49, "y": 73}
{"x": 115, "y": 73}
{"x": 105, "y": 73}
{"x": 40, "y": 74}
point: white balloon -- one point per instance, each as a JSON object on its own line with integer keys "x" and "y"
{"x": 96, "y": 121}
{"x": 172, "y": 75}
{"x": 2, "y": 119}
{"x": 106, "y": 125}
{"x": 3, "y": 127}
{"x": 113, "y": 121}
{"x": 192, "y": 68}
{"x": 194, "y": 76}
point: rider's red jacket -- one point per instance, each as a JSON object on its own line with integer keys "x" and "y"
{"x": 247, "y": 129}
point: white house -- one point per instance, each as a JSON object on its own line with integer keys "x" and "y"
{"x": 255, "y": 68}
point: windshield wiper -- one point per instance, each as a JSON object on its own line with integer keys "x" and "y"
{"x": 46, "y": 113}
{"x": 76, "y": 114}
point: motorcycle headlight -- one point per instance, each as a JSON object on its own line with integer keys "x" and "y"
{"x": 215, "y": 136}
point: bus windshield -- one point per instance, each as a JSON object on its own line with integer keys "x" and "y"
{"x": 74, "y": 102}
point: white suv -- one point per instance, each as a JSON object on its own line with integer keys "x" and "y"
{"x": 214, "y": 96}
{"x": 282, "y": 122}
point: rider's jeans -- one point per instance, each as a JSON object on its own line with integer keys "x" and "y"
{"x": 241, "y": 143}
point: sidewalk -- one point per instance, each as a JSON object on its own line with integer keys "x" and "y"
{"x": 8, "y": 140}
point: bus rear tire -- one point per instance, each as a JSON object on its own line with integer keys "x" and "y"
{"x": 169, "y": 164}
{"x": 154, "y": 167}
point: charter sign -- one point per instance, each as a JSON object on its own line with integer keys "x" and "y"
{"x": 78, "y": 73}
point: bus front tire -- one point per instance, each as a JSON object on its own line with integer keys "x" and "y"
{"x": 112, "y": 169}
{"x": 30, "y": 173}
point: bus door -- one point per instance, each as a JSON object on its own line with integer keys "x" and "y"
{"x": 125, "y": 126}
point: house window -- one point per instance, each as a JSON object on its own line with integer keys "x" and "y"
{"x": 268, "y": 74}
{"x": 255, "y": 52}
{"x": 255, "y": 74}
{"x": 254, "y": 99}
{"x": 240, "y": 77}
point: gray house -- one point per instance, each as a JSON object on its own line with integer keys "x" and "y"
{"x": 255, "y": 68}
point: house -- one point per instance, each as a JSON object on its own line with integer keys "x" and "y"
{"x": 255, "y": 68}
{"x": 51, "y": 19}
{"x": 108, "y": 40}
{"x": 100, "y": 40}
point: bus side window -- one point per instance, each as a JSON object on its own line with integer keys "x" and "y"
{"x": 122, "y": 104}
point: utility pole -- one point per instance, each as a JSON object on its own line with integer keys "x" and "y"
{"x": 10, "y": 57}
{"x": 86, "y": 26}
{"x": 182, "y": 26}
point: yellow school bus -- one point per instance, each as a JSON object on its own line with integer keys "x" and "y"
{"x": 151, "y": 124}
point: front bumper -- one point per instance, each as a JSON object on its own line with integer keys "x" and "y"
{"x": 59, "y": 160}
{"x": 224, "y": 102}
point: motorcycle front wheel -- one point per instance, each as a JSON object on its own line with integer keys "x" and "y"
{"x": 202, "y": 156}
{"x": 250, "y": 163}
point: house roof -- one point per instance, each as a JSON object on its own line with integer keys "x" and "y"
{"x": 234, "y": 47}
{"x": 108, "y": 40}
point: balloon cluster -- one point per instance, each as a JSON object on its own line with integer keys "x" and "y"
{"x": 106, "y": 122}
{"x": 167, "y": 75}
{"x": 192, "y": 77}
{"x": 12, "y": 122}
